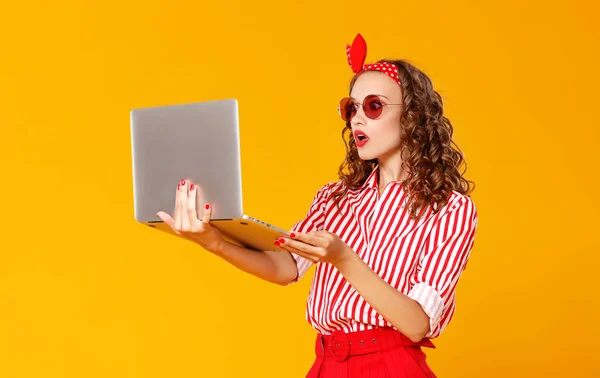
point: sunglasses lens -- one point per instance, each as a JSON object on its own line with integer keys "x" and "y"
{"x": 347, "y": 109}
{"x": 373, "y": 106}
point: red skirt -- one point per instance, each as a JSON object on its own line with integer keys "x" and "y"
{"x": 376, "y": 353}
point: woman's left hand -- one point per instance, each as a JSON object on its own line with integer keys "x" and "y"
{"x": 317, "y": 246}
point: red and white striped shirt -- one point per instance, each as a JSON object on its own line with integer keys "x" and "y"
{"x": 422, "y": 259}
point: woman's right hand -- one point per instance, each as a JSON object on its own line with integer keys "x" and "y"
{"x": 185, "y": 221}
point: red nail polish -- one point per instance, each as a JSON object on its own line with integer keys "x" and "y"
{"x": 192, "y": 187}
{"x": 178, "y": 186}
{"x": 281, "y": 240}
{"x": 183, "y": 182}
{"x": 276, "y": 242}
{"x": 207, "y": 206}
{"x": 293, "y": 235}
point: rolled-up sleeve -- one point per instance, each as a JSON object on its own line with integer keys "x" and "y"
{"x": 447, "y": 251}
{"x": 313, "y": 221}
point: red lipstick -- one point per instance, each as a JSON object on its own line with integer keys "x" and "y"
{"x": 360, "y": 138}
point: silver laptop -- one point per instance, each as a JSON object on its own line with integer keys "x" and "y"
{"x": 199, "y": 141}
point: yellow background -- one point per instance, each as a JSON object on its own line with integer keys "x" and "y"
{"x": 87, "y": 292}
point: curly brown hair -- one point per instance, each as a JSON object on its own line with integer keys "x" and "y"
{"x": 430, "y": 156}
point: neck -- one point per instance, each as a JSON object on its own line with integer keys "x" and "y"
{"x": 390, "y": 170}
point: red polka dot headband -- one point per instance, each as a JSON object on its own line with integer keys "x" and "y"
{"x": 357, "y": 54}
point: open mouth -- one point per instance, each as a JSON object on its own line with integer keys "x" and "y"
{"x": 360, "y": 138}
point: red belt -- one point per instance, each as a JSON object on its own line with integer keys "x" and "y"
{"x": 340, "y": 345}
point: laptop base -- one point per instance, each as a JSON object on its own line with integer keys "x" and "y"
{"x": 245, "y": 232}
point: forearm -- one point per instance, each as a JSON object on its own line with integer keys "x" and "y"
{"x": 401, "y": 311}
{"x": 272, "y": 266}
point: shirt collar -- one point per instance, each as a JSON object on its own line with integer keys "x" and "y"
{"x": 372, "y": 182}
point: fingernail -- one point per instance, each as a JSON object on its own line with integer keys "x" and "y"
{"x": 293, "y": 235}
{"x": 192, "y": 187}
{"x": 178, "y": 186}
{"x": 281, "y": 240}
{"x": 183, "y": 182}
{"x": 276, "y": 242}
{"x": 207, "y": 206}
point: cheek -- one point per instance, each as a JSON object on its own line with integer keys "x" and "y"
{"x": 389, "y": 128}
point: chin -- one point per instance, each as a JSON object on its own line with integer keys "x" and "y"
{"x": 365, "y": 155}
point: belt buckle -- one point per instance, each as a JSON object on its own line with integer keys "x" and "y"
{"x": 340, "y": 346}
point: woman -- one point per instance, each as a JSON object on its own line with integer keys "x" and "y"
{"x": 390, "y": 239}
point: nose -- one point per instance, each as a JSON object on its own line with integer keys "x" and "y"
{"x": 359, "y": 118}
